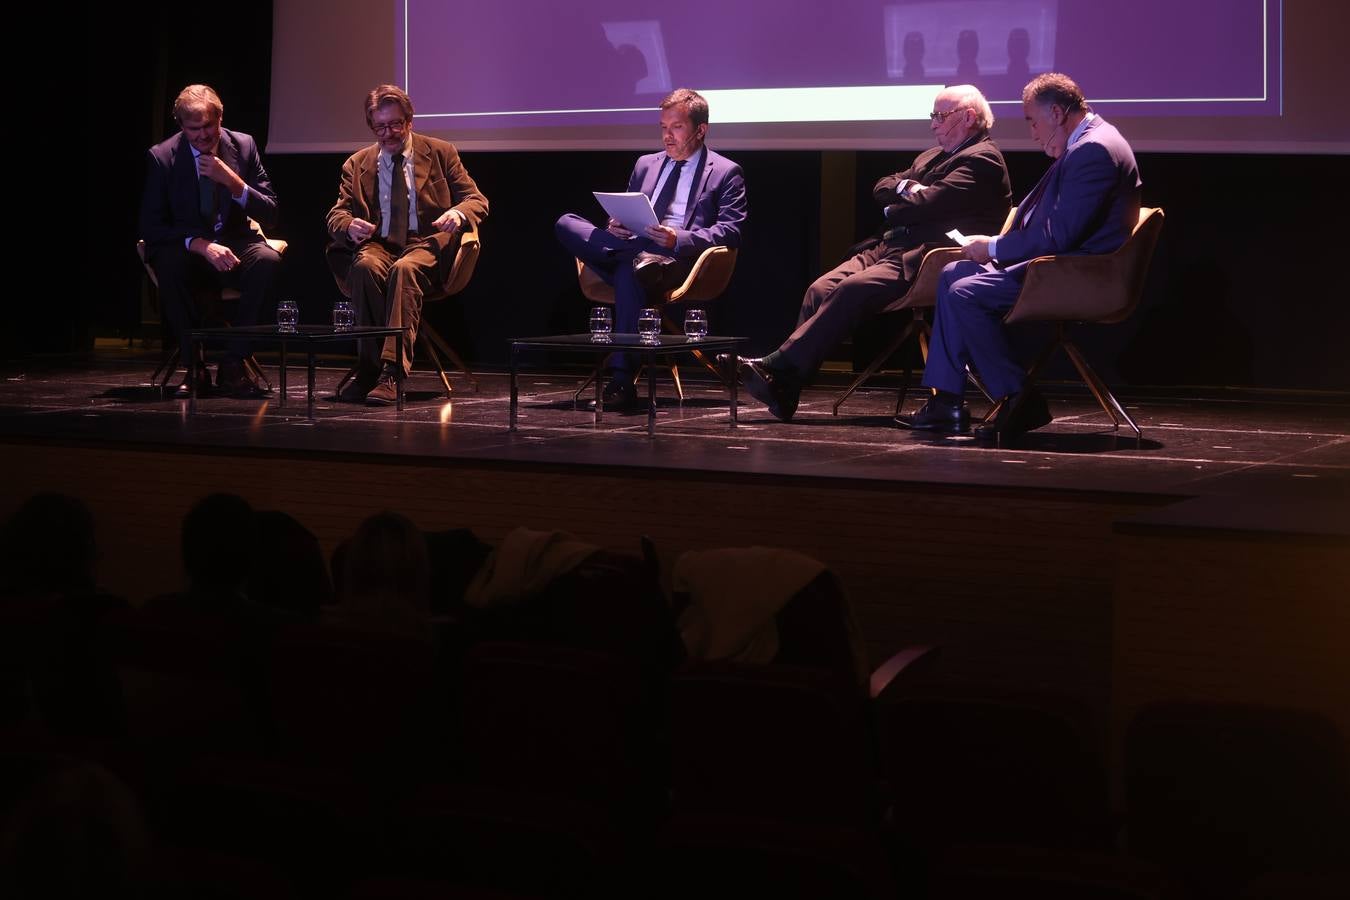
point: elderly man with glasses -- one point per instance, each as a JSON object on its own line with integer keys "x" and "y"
{"x": 962, "y": 183}
{"x": 402, "y": 205}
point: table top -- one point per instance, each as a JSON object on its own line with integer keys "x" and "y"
{"x": 666, "y": 343}
{"x": 308, "y": 334}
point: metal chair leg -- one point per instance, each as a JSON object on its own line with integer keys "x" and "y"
{"x": 1099, "y": 389}
{"x": 251, "y": 365}
{"x": 590, "y": 379}
{"x": 351, "y": 373}
{"x": 440, "y": 369}
{"x": 168, "y": 365}
{"x": 916, "y": 325}
{"x": 434, "y": 337}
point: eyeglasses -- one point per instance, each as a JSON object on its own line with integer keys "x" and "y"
{"x": 940, "y": 117}
{"x": 395, "y": 126}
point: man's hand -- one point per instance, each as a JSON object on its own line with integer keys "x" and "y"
{"x": 360, "y": 230}
{"x": 977, "y": 249}
{"x": 449, "y": 222}
{"x": 615, "y": 227}
{"x": 221, "y": 258}
{"x": 211, "y": 167}
{"x": 663, "y": 235}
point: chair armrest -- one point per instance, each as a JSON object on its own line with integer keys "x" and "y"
{"x": 466, "y": 257}
{"x": 708, "y": 278}
{"x": 1073, "y": 288}
{"x": 906, "y": 661}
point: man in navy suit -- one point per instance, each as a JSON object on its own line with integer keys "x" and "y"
{"x": 201, "y": 187}
{"x": 1086, "y": 203}
{"x": 699, "y": 198}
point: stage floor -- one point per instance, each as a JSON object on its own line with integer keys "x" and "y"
{"x": 1205, "y": 442}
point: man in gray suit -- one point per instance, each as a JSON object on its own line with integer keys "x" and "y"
{"x": 961, "y": 183}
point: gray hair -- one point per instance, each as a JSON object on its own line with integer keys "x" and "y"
{"x": 968, "y": 96}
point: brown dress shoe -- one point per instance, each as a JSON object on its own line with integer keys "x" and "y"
{"x": 385, "y": 391}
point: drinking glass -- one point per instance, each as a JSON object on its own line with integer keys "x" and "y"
{"x": 344, "y": 315}
{"x": 288, "y": 316}
{"x": 602, "y": 323}
{"x": 649, "y": 326}
{"x": 695, "y": 324}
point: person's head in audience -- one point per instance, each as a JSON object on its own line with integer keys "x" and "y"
{"x": 286, "y": 567}
{"x": 217, "y": 541}
{"x": 76, "y": 832}
{"x": 49, "y": 547}
{"x": 385, "y": 573}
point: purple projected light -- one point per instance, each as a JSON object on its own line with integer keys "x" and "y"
{"x": 525, "y": 63}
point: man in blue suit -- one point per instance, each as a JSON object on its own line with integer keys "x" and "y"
{"x": 201, "y": 188}
{"x": 699, "y": 200}
{"x": 1086, "y": 203}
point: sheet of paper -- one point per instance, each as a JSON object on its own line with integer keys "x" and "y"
{"x": 632, "y": 209}
{"x": 957, "y": 236}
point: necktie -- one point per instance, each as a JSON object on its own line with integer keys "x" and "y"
{"x": 662, "y": 204}
{"x": 1028, "y": 207}
{"x": 398, "y": 204}
{"x": 206, "y": 196}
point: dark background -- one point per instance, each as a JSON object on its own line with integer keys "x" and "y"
{"x": 1241, "y": 291}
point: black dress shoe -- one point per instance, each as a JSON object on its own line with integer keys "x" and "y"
{"x": 650, "y": 269}
{"x": 203, "y": 376}
{"x": 619, "y": 395}
{"x": 939, "y": 414}
{"x": 725, "y": 359}
{"x": 1016, "y": 418}
{"x": 777, "y": 389}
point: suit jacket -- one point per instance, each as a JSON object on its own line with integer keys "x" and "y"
{"x": 442, "y": 183}
{"x": 1090, "y": 202}
{"x": 716, "y": 204}
{"x": 171, "y": 205}
{"x": 968, "y": 190}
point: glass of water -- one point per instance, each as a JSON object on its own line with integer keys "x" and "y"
{"x": 695, "y": 324}
{"x": 288, "y": 316}
{"x": 602, "y": 323}
{"x": 344, "y": 315}
{"x": 649, "y": 326}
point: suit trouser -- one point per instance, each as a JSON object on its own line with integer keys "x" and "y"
{"x": 387, "y": 287}
{"x": 838, "y": 301}
{"x": 968, "y": 329}
{"x": 184, "y": 275}
{"x": 611, "y": 257}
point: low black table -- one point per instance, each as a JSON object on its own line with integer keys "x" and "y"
{"x": 307, "y": 335}
{"x": 665, "y": 345}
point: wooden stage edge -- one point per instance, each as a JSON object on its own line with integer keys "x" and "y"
{"x": 1114, "y": 598}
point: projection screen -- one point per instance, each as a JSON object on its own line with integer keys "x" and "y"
{"x": 1175, "y": 75}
